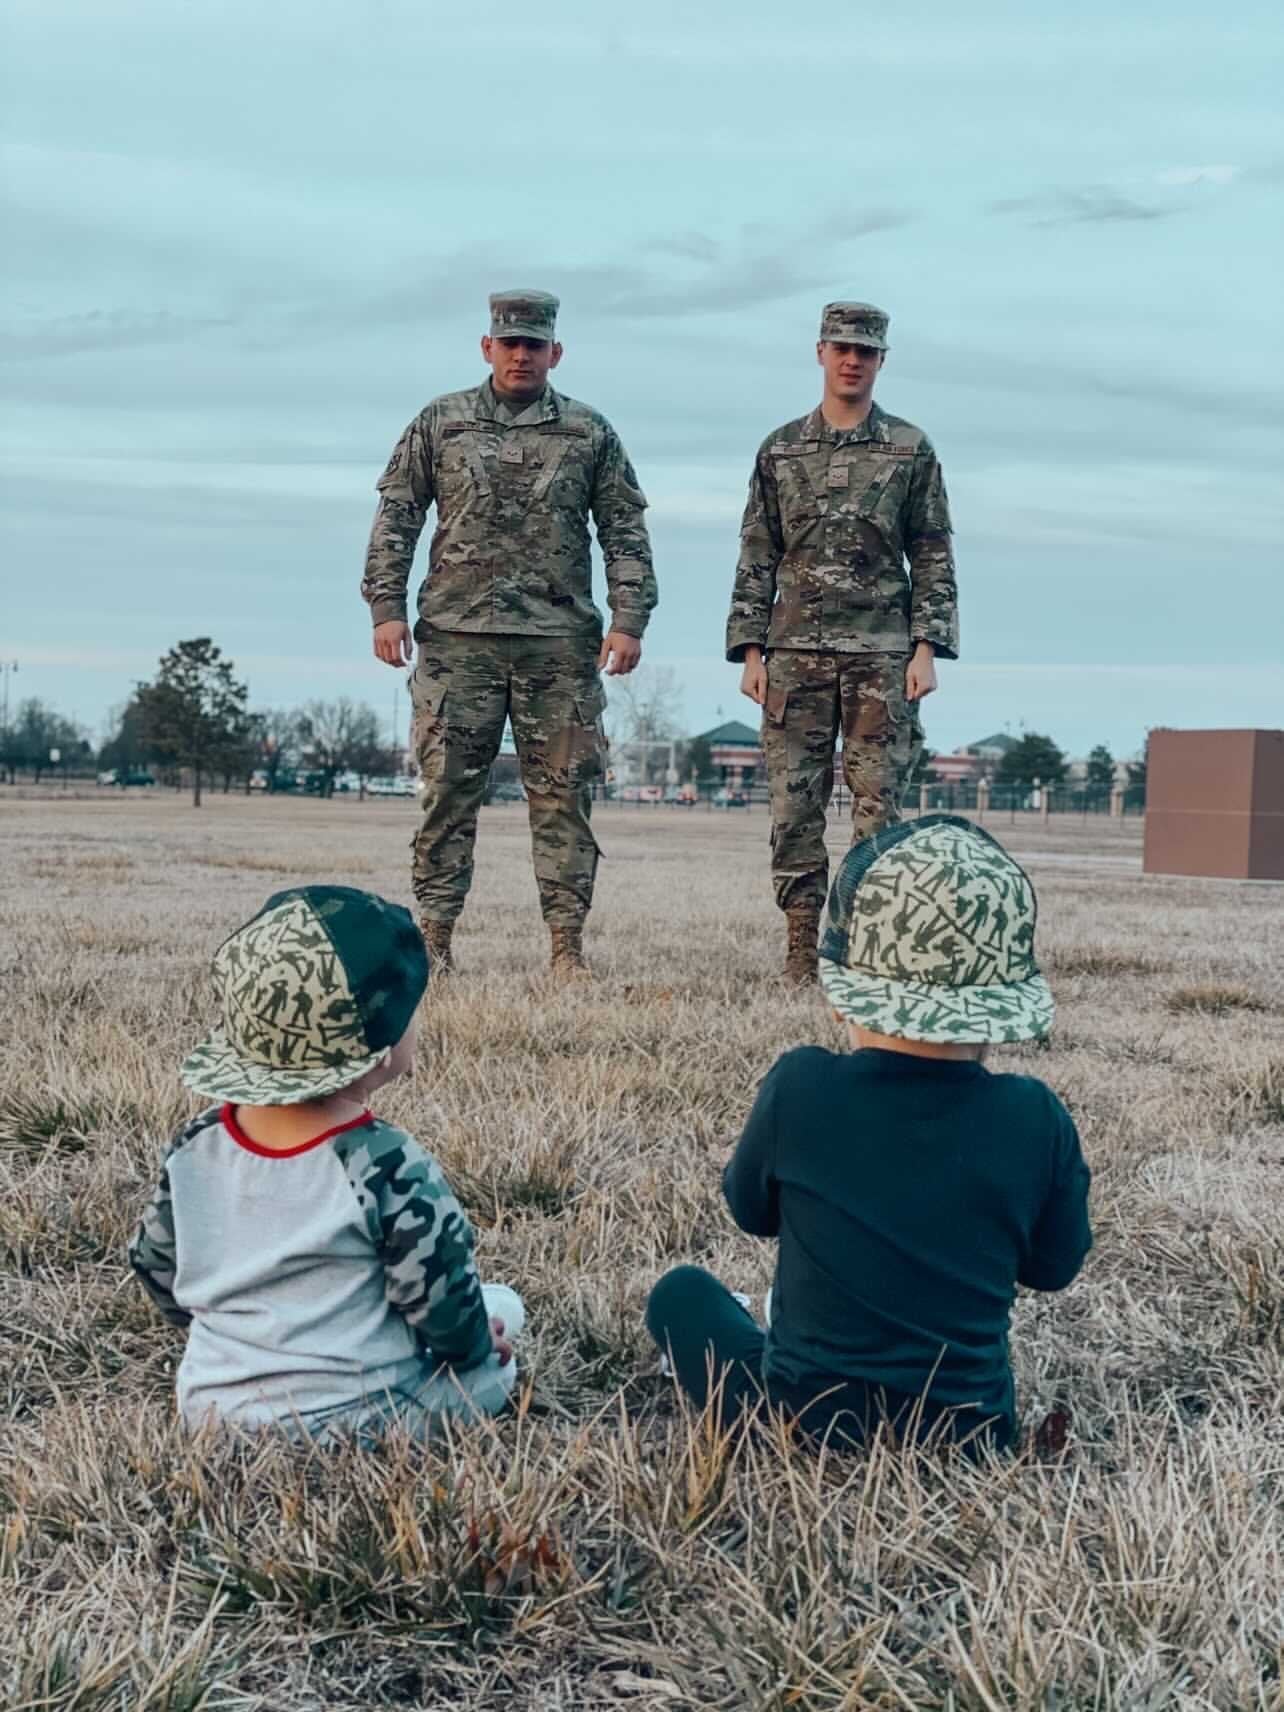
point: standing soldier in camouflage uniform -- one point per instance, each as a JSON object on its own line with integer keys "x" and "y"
{"x": 834, "y": 634}
{"x": 507, "y": 626}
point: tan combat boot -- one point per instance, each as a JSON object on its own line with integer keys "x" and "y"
{"x": 567, "y": 960}
{"x": 803, "y": 921}
{"x": 437, "y": 939}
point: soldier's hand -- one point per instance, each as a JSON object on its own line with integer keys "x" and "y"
{"x": 618, "y": 654}
{"x": 753, "y": 680}
{"x": 920, "y": 674}
{"x": 393, "y": 643}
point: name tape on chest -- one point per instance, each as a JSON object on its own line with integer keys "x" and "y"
{"x": 485, "y": 426}
{"x": 510, "y": 452}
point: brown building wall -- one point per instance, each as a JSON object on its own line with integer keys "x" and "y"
{"x": 1266, "y": 846}
{"x": 1215, "y": 804}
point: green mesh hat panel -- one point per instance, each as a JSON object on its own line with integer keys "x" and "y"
{"x": 381, "y": 952}
{"x": 841, "y": 908}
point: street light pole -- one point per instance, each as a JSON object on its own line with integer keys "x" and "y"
{"x": 7, "y": 669}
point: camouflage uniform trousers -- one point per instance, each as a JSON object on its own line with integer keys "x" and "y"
{"x": 464, "y": 686}
{"x": 811, "y": 697}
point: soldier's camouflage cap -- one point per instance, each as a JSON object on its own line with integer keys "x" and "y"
{"x": 930, "y": 936}
{"x": 314, "y": 991}
{"x": 522, "y": 315}
{"x": 855, "y": 324}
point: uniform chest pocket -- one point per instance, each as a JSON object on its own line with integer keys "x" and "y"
{"x": 465, "y": 464}
{"x": 800, "y": 479}
{"x": 880, "y": 486}
{"x": 568, "y": 462}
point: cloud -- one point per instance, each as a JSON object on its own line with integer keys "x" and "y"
{"x": 1093, "y": 204}
{"x": 103, "y": 330}
{"x": 1183, "y": 175}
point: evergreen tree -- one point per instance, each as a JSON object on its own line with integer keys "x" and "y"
{"x": 697, "y": 759}
{"x": 1101, "y": 770}
{"x": 194, "y": 714}
{"x": 1034, "y": 757}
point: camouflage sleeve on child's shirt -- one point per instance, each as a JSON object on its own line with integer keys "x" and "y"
{"x": 152, "y": 1254}
{"x": 424, "y": 1240}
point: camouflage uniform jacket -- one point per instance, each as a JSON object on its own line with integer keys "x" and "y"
{"x": 510, "y": 553}
{"x": 312, "y": 1279}
{"x": 832, "y": 516}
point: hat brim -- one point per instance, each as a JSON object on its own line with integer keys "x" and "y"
{"x": 940, "y": 1016}
{"x": 852, "y": 339}
{"x": 523, "y": 330}
{"x": 216, "y": 1070}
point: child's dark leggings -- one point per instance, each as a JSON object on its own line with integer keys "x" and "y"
{"x": 704, "y": 1331}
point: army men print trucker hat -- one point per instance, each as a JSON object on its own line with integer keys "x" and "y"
{"x": 314, "y": 992}
{"x": 929, "y": 935}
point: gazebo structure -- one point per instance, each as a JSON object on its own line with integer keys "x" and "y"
{"x": 736, "y": 754}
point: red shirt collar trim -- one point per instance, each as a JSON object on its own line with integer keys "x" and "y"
{"x": 238, "y": 1135}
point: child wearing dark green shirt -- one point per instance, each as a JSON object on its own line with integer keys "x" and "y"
{"x": 910, "y": 1189}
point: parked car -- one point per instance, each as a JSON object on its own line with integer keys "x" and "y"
{"x": 397, "y": 785}
{"x": 730, "y": 799}
{"x": 509, "y": 791}
{"x": 126, "y": 776}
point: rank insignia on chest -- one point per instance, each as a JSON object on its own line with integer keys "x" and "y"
{"x": 511, "y": 453}
{"x": 838, "y": 474}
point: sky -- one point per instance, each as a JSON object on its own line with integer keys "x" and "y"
{"x": 245, "y": 244}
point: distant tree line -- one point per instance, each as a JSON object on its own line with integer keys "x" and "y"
{"x": 1037, "y": 760}
{"x": 39, "y": 741}
{"x": 192, "y": 723}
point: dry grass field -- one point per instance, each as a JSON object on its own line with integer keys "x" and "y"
{"x": 602, "y": 1549}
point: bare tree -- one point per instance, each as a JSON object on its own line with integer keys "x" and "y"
{"x": 644, "y": 717}
{"x": 341, "y": 734}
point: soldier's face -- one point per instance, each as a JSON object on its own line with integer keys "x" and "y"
{"x": 519, "y": 367}
{"x": 850, "y": 370}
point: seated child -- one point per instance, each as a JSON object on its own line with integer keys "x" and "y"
{"x": 316, "y": 1255}
{"x": 910, "y": 1189}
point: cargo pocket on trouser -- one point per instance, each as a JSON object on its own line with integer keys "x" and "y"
{"x": 798, "y": 743}
{"x": 428, "y": 692}
{"x": 576, "y": 753}
{"x": 879, "y": 728}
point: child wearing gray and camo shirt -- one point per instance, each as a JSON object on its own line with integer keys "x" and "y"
{"x": 316, "y": 1255}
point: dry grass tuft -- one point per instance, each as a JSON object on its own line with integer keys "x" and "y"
{"x": 305, "y": 862}
{"x": 1214, "y": 998}
{"x": 605, "y": 1548}
{"x": 1104, "y": 960}
{"x": 33, "y": 1123}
